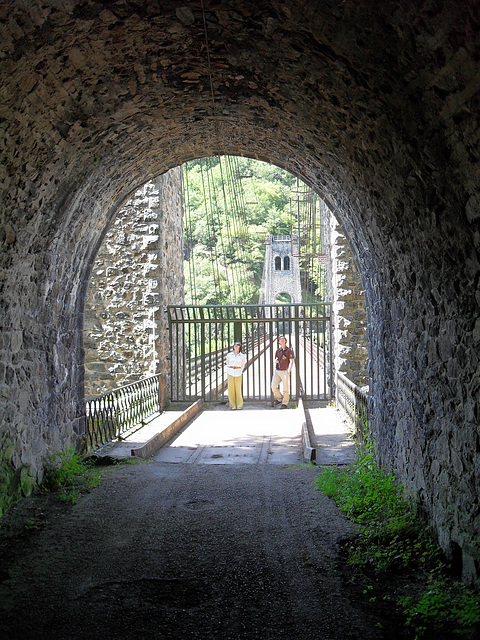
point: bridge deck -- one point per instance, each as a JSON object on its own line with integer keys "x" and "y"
{"x": 258, "y": 434}
{"x": 251, "y": 436}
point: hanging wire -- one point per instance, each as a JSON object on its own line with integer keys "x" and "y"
{"x": 245, "y": 242}
{"x": 211, "y": 235}
{"x": 220, "y": 226}
{"x": 237, "y": 211}
{"x": 228, "y": 240}
{"x": 190, "y": 240}
{"x": 232, "y": 262}
{"x": 309, "y": 229}
{"x": 238, "y": 196}
{"x": 230, "y": 224}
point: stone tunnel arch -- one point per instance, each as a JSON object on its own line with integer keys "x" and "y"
{"x": 373, "y": 109}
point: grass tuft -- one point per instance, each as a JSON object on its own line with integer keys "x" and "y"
{"x": 70, "y": 474}
{"x": 393, "y": 538}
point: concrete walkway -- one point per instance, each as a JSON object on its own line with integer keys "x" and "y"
{"x": 255, "y": 435}
{"x": 259, "y": 434}
{"x": 333, "y": 435}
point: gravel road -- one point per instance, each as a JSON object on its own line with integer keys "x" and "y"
{"x": 180, "y": 551}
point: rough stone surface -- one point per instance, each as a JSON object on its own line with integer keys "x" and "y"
{"x": 373, "y": 106}
{"x": 137, "y": 273}
{"x": 349, "y": 318}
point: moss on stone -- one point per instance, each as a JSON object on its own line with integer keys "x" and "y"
{"x": 10, "y": 491}
{"x": 27, "y": 480}
{"x": 14, "y": 483}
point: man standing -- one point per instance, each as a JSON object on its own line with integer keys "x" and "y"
{"x": 284, "y": 358}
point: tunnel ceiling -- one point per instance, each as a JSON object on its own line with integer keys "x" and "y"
{"x": 104, "y": 95}
{"x": 374, "y": 109}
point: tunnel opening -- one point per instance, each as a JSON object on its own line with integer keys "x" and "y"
{"x": 226, "y": 241}
{"x": 365, "y": 106}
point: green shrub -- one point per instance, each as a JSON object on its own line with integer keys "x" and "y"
{"x": 391, "y": 538}
{"x": 70, "y": 474}
{"x": 444, "y": 606}
{"x": 391, "y": 534}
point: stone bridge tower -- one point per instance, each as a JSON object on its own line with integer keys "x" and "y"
{"x": 281, "y": 270}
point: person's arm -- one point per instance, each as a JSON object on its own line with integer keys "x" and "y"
{"x": 290, "y": 364}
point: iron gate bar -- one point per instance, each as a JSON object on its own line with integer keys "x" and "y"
{"x": 200, "y": 337}
{"x": 177, "y": 314}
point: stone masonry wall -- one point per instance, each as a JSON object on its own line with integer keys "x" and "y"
{"x": 375, "y": 105}
{"x": 138, "y": 271}
{"x": 349, "y": 318}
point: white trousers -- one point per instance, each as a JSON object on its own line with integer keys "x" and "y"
{"x": 281, "y": 377}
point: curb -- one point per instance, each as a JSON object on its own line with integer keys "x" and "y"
{"x": 308, "y": 436}
{"x": 152, "y": 446}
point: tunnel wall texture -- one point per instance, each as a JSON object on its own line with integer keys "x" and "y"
{"x": 373, "y": 105}
{"x": 137, "y": 273}
{"x": 349, "y": 319}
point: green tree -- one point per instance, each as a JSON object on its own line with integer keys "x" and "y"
{"x": 231, "y": 204}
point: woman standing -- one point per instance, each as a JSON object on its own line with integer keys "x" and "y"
{"x": 235, "y": 365}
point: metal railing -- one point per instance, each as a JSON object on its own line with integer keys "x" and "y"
{"x": 354, "y": 403}
{"x": 112, "y": 414}
{"x": 201, "y": 336}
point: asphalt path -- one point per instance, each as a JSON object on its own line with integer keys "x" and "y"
{"x": 222, "y": 535}
{"x": 162, "y": 550}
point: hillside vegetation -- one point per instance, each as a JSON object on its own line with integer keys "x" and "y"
{"x": 231, "y": 204}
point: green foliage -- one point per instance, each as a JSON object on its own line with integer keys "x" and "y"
{"x": 70, "y": 474}
{"x": 393, "y": 538}
{"x": 231, "y": 204}
{"x": 444, "y": 605}
{"x": 220, "y": 252}
{"x": 207, "y": 289}
{"x": 365, "y": 493}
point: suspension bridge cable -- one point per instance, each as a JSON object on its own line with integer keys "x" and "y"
{"x": 236, "y": 193}
{"x": 238, "y": 198}
{"x": 188, "y": 220}
{"x": 213, "y": 196}
{"x": 211, "y": 238}
{"x": 229, "y": 216}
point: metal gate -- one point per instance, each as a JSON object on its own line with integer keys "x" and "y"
{"x": 201, "y": 337}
